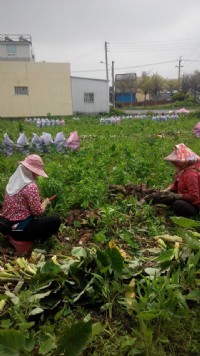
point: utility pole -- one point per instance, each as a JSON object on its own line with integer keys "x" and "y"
{"x": 106, "y": 60}
{"x": 113, "y": 83}
{"x": 179, "y": 70}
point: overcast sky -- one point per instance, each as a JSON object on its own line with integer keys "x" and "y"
{"x": 143, "y": 35}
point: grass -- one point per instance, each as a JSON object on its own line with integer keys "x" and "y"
{"x": 110, "y": 154}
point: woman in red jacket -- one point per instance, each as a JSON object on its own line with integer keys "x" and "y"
{"x": 186, "y": 186}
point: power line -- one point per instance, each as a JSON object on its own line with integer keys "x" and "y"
{"x": 137, "y": 66}
{"x": 142, "y": 43}
{"x": 86, "y": 53}
{"x": 191, "y": 60}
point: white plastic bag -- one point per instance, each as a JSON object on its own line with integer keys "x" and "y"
{"x": 36, "y": 143}
{"x": 46, "y": 142}
{"x": 8, "y": 146}
{"x": 22, "y": 143}
{"x": 60, "y": 142}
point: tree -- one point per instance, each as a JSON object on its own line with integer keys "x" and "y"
{"x": 185, "y": 83}
{"x": 172, "y": 85}
{"x": 157, "y": 84}
{"x": 145, "y": 85}
{"x": 195, "y": 84}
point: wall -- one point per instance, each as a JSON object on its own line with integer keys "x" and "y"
{"x": 140, "y": 96}
{"x": 23, "y": 52}
{"x": 99, "y": 88}
{"x": 49, "y": 89}
{"x": 125, "y": 98}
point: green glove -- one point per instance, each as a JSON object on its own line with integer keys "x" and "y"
{"x": 174, "y": 196}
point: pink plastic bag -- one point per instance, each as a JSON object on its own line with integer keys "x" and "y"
{"x": 196, "y": 130}
{"x": 73, "y": 142}
{"x": 62, "y": 122}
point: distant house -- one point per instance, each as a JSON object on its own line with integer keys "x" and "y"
{"x": 89, "y": 96}
{"x": 16, "y": 48}
{"x": 140, "y": 96}
{"x": 125, "y": 89}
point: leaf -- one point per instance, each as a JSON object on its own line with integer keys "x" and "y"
{"x": 116, "y": 260}
{"x": 99, "y": 278}
{"x": 6, "y": 323}
{"x": 154, "y": 250}
{"x": 11, "y": 342}
{"x": 50, "y": 267}
{"x": 100, "y": 237}
{"x": 130, "y": 293}
{"x": 29, "y": 343}
{"x": 169, "y": 238}
{"x": 39, "y": 296}
{"x": 59, "y": 314}
{"x": 102, "y": 258}
{"x": 74, "y": 339}
{"x": 193, "y": 243}
{"x": 163, "y": 339}
{"x": 2, "y": 304}
{"x": 13, "y": 297}
{"x": 152, "y": 271}
{"x": 148, "y": 315}
{"x": 194, "y": 234}
{"x": 36, "y": 311}
{"x": 97, "y": 328}
{"x": 27, "y": 325}
{"x": 87, "y": 288}
{"x": 48, "y": 343}
{"x": 166, "y": 256}
{"x": 184, "y": 222}
{"x": 134, "y": 264}
{"x": 79, "y": 252}
{"x": 106, "y": 306}
{"x": 194, "y": 295}
{"x": 195, "y": 259}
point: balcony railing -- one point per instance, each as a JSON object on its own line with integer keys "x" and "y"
{"x": 9, "y": 38}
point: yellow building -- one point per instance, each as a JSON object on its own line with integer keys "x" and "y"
{"x": 140, "y": 96}
{"x": 29, "y": 89}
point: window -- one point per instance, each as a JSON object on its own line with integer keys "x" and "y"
{"x": 88, "y": 97}
{"x": 21, "y": 90}
{"x": 11, "y": 50}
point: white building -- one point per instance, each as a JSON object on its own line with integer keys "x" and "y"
{"x": 89, "y": 96}
{"x": 16, "y": 48}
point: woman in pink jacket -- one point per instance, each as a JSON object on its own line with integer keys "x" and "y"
{"x": 22, "y": 205}
{"x": 186, "y": 186}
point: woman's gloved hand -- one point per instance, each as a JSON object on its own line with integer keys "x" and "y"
{"x": 178, "y": 196}
{"x": 45, "y": 203}
{"x": 175, "y": 196}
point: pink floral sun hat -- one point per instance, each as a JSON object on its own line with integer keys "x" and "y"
{"x": 35, "y": 164}
{"x": 182, "y": 154}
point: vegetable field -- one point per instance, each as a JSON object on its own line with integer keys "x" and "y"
{"x": 121, "y": 278}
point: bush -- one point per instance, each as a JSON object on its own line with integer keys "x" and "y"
{"x": 116, "y": 111}
{"x": 181, "y": 96}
